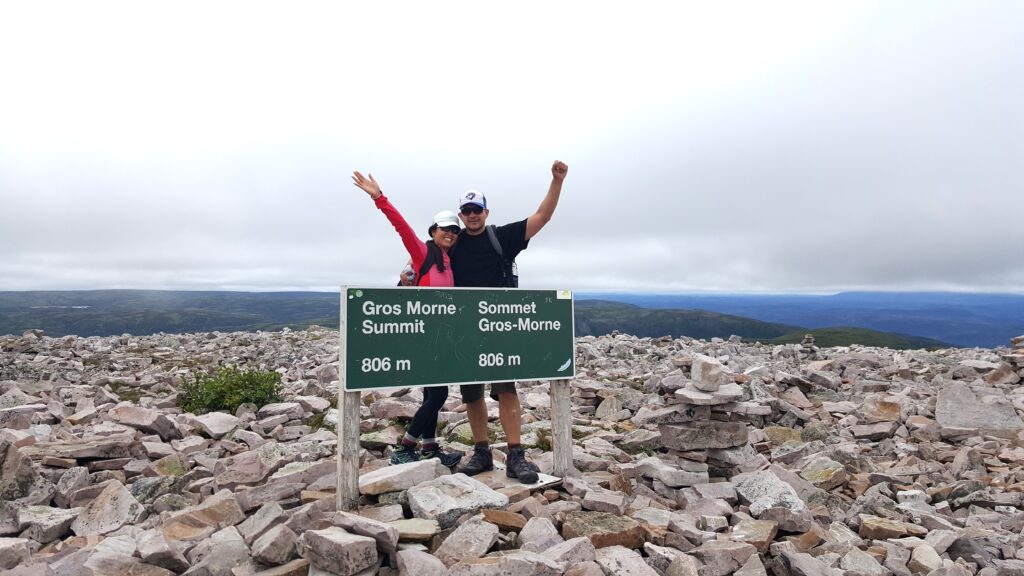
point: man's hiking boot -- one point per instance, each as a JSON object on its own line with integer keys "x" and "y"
{"x": 516, "y": 466}
{"x": 449, "y": 459}
{"x": 404, "y": 454}
{"x": 481, "y": 461}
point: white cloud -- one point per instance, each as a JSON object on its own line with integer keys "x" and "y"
{"x": 804, "y": 146}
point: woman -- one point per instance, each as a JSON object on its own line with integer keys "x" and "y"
{"x": 432, "y": 267}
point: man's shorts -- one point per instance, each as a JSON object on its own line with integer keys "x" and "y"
{"x": 474, "y": 392}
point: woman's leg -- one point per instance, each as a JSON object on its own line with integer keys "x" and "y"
{"x": 434, "y": 398}
{"x": 424, "y": 425}
{"x": 424, "y": 422}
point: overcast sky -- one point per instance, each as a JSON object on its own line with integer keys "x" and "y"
{"x": 726, "y": 146}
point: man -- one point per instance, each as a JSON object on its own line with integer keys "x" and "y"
{"x": 475, "y": 263}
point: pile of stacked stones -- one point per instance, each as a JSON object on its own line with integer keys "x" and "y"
{"x": 808, "y": 350}
{"x": 1015, "y": 358}
{"x": 705, "y": 423}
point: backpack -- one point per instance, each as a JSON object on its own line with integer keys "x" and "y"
{"x": 509, "y": 270}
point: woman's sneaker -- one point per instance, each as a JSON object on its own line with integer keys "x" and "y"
{"x": 516, "y": 466}
{"x": 449, "y": 459}
{"x": 403, "y": 454}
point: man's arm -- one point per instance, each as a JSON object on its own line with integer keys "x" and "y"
{"x": 547, "y": 206}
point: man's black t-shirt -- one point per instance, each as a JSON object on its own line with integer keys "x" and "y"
{"x": 474, "y": 261}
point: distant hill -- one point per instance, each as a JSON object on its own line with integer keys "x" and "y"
{"x": 112, "y": 312}
{"x": 139, "y": 312}
{"x": 962, "y": 319}
{"x": 596, "y": 317}
{"x": 844, "y": 336}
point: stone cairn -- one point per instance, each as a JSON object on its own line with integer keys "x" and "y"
{"x": 1015, "y": 358}
{"x": 808, "y": 350}
{"x": 705, "y": 427}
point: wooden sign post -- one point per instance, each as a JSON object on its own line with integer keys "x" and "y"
{"x": 348, "y": 449}
{"x": 561, "y": 429}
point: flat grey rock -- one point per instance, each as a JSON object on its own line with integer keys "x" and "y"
{"x": 764, "y": 490}
{"x": 961, "y": 411}
{"x": 400, "y": 476}
{"x": 725, "y": 394}
{"x": 448, "y": 497}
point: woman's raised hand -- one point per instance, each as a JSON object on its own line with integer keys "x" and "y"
{"x": 368, "y": 185}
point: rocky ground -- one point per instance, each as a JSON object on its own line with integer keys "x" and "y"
{"x": 695, "y": 458}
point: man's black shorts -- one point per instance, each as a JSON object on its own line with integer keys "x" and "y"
{"x": 474, "y": 392}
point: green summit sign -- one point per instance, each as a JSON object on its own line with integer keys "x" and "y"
{"x": 396, "y": 337}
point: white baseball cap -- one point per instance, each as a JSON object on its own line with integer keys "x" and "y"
{"x": 446, "y": 218}
{"x": 473, "y": 197}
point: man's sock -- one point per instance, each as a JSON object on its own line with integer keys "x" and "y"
{"x": 514, "y": 446}
{"x": 409, "y": 441}
{"x": 482, "y": 445}
{"x": 429, "y": 444}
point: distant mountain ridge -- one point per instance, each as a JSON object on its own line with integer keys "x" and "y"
{"x": 112, "y": 312}
{"x": 139, "y": 312}
{"x": 962, "y": 319}
{"x": 596, "y": 317}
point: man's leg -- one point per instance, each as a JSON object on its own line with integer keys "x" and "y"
{"x": 477, "y": 412}
{"x": 510, "y": 415}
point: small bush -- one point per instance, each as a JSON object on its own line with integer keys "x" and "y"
{"x": 544, "y": 439}
{"x": 124, "y": 392}
{"x": 228, "y": 389}
{"x": 316, "y": 421}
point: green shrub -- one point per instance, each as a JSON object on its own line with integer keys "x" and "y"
{"x": 125, "y": 392}
{"x": 316, "y": 421}
{"x": 544, "y": 439}
{"x": 227, "y": 389}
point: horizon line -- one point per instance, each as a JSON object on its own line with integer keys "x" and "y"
{"x": 588, "y": 292}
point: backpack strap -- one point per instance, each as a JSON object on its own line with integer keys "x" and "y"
{"x": 428, "y": 261}
{"x": 508, "y": 267}
{"x": 493, "y": 237}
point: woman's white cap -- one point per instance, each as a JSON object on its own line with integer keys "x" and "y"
{"x": 446, "y": 218}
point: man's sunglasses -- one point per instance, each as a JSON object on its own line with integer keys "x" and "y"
{"x": 471, "y": 209}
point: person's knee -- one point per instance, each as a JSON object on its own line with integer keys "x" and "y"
{"x": 478, "y": 405}
{"x": 438, "y": 398}
{"x": 508, "y": 398}
{"x": 499, "y": 390}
